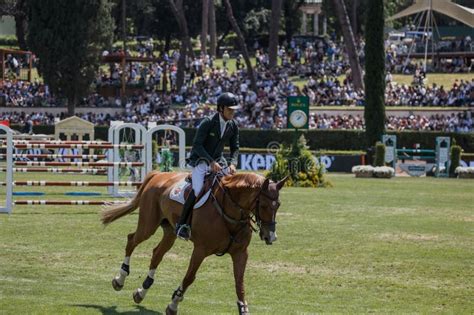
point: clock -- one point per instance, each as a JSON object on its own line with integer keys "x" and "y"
{"x": 298, "y": 118}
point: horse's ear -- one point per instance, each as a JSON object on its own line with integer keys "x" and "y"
{"x": 282, "y": 182}
{"x": 265, "y": 184}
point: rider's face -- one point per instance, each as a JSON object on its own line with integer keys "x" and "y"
{"x": 228, "y": 113}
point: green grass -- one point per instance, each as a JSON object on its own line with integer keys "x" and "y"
{"x": 404, "y": 245}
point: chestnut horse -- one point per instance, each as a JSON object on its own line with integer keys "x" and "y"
{"x": 222, "y": 225}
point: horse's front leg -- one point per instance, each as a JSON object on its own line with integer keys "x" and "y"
{"x": 239, "y": 260}
{"x": 196, "y": 259}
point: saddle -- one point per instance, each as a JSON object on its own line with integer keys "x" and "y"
{"x": 182, "y": 189}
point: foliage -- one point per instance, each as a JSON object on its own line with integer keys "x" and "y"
{"x": 8, "y": 40}
{"x": 455, "y": 156}
{"x": 374, "y": 111}
{"x": 68, "y": 37}
{"x": 299, "y": 163}
{"x": 257, "y": 22}
{"x": 380, "y": 154}
{"x": 166, "y": 160}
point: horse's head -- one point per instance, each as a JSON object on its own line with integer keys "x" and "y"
{"x": 268, "y": 202}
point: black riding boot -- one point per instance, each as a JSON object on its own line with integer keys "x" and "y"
{"x": 183, "y": 230}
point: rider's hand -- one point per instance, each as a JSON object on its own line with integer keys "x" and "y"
{"x": 232, "y": 169}
{"x": 215, "y": 167}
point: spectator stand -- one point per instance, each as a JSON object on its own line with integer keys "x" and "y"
{"x": 15, "y": 65}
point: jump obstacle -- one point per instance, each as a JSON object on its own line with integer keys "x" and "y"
{"x": 142, "y": 143}
{"x": 437, "y": 158}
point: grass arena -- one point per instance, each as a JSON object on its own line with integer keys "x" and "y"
{"x": 365, "y": 245}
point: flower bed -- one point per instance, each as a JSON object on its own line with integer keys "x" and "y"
{"x": 367, "y": 171}
{"x": 464, "y": 172}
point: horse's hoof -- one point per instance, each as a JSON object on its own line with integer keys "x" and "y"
{"x": 117, "y": 286}
{"x": 169, "y": 311}
{"x": 137, "y": 297}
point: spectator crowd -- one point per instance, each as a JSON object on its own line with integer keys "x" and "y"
{"x": 320, "y": 64}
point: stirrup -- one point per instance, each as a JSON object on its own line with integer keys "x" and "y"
{"x": 183, "y": 231}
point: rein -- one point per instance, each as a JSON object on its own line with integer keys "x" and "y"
{"x": 245, "y": 219}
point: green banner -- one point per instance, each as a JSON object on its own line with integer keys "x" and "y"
{"x": 298, "y": 112}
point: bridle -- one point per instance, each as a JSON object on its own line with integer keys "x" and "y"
{"x": 244, "y": 217}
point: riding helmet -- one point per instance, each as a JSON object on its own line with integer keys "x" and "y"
{"x": 228, "y": 100}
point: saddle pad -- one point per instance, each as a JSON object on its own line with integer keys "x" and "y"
{"x": 177, "y": 194}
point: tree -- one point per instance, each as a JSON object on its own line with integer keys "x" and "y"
{"x": 19, "y": 10}
{"x": 68, "y": 36}
{"x": 243, "y": 46}
{"x": 204, "y": 26}
{"x": 212, "y": 28}
{"x": 178, "y": 12}
{"x": 274, "y": 30}
{"x": 374, "y": 110}
{"x": 292, "y": 16}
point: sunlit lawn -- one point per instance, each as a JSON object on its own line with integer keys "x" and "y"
{"x": 403, "y": 245}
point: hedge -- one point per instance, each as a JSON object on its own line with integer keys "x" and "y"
{"x": 337, "y": 140}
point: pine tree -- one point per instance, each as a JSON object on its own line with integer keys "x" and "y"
{"x": 374, "y": 73}
{"x": 68, "y": 36}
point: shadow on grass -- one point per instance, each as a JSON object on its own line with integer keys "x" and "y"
{"x": 112, "y": 310}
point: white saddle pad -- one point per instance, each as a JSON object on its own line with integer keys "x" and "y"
{"x": 177, "y": 194}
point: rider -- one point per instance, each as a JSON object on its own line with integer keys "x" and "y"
{"x": 207, "y": 152}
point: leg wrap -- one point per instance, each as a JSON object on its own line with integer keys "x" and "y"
{"x": 243, "y": 308}
{"x": 147, "y": 283}
{"x": 178, "y": 296}
{"x": 125, "y": 268}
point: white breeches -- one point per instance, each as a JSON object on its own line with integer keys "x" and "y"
{"x": 198, "y": 174}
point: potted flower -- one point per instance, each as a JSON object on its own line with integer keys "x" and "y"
{"x": 363, "y": 171}
{"x": 464, "y": 172}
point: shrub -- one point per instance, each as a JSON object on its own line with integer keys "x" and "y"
{"x": 297, "y": 162}
{"x": 380, "y": 154}
{"x": 455, "y": 158}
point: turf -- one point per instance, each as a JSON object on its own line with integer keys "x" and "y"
{"x": 403, "y": 245}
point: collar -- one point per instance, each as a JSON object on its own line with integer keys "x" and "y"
{"x": 221, "y": 119}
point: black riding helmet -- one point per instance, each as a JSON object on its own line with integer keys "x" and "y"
{"x": 227, "y": 100}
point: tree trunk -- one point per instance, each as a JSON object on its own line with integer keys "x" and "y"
{"x": 355, "y": 4}
{"x": 212, "y": 28}
{"x": 167, "y": 43}
{"x": 243, "y": 46}
{"x": 21, "y": 25}
{"x": 349, "y": 42}
{"x": 274, "y": 30}
{"x": 71, "y": 105}
{"x": 20, "y": 30}
{"x": 178, "y": 12}
{"x": 204, "y": 26}
{"x": 181, "y": 66}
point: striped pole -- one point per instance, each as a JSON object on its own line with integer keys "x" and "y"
{"x": 96, "y": 164}
{"x": 58, "y": 142}
{"x": 67, "y": 202}
{"x": 57, "y": 170}
{"x": 71, "y": 183}
{"x": 57, "y": 156}
{"x": 77, "y": 146}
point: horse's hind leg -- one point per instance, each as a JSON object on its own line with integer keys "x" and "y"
{"x": 178, "y": 295}
{"x": 158, "y": 252}
{"x": 143, "y": 232}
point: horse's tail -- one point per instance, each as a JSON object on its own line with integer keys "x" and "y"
{"x": 112, "y": 213}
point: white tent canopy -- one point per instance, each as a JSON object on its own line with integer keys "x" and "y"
{"x": 446, "y": 7}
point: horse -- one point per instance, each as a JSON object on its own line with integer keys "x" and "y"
{"x": 238, "y": 205}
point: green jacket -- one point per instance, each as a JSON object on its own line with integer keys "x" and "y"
{"x": 208, "y": 146}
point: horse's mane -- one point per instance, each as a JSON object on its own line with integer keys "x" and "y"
{"x": 243, "y": 180}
